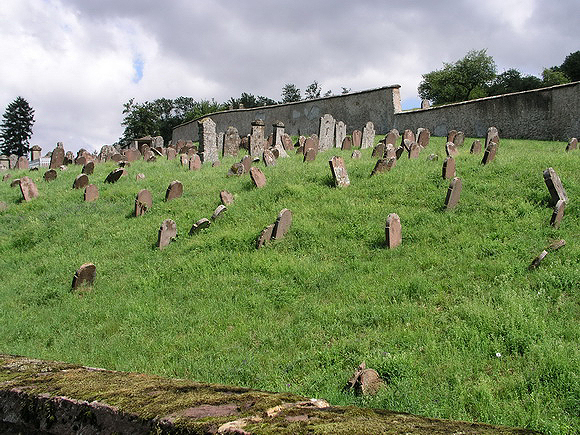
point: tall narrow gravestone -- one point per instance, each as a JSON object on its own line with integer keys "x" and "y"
{"x": 208, "y": 149}
{"x": 414, "y": 150}
{"x": 554, "y": 185}
{"x": 143, "y": 202}
{"x": 393, "y": 231}
{"x": 257, "y": 142}
{"x": 448, "y": 168}
{"x": 453, "y": 193}
{"x": 167, "y": 232}
{"x": 339, "y": 134}
{"x": 326, "y": 128}
{"x": 174, "y": 190}
{"x": 57, "y": 158}
{"x": 356, "y": 138}
{"x": 339, "y": 172}
{"x": 368, "y": 135}
{"x": 277, "y": 132}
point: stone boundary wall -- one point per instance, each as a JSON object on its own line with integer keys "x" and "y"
{"x": 44, "y": 397}
{"x": 544, "y": 114}
{"x": 355, "y": 109}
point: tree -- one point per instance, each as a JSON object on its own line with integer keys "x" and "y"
{"x": 513, "y": 81}
{"x": 290, "y": 93}
{"x": 345, "y": 90}
{"x": 462, "y": 80}
{"x": 313, "y": 90}
{"x": 553, "y": 76}
{"x": 571, "y": 66}
{"x": 16, "y": 128}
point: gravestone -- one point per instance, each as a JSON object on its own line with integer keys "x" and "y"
{"x": 408, "y": 135}
{"x": 231, "y": 142}
{"x": 287, "y": 142}
{"x": 114, "y": 176}
{"x": 277, "y": 132}
{"x": 15, "y": 183}
{"x": 339, "y": 134}
{"x": 453, "y": 193}
{"x": 184, "y": 160}
{"x": 356, "y": 154}
{"x": 423, "y": 137}
{"x": 459, "y": 139}
{"x": 221, "y": 137}
{"x": 378, "y": 151}
{"x": 406, "y": 143}
{"x": 22, "y": 163}
{"x": 475, "y": 147}
{"x": 365, "y": 381}
{"x": 558, "y": 213}
{"x": 399, "y": 152}
{"x": 226, "y": 197}
{"x": 393, "y": 231}
{"x": 195, "y": 163}
{"x": 81, "y": 181}
{"x": 339, "y": 172}
{"x": 310, "y": 155}
{"x": 384, "y": 165}
{"x": 157, "y": 142}
{"x": 265, "y": 236}
{"x": 450, "y": 149}
{"x": 167, "y": 233}
{"x": 310, "y": 144}
{"x": 536, "y": 261}
{"x": 68, "y": 158}
{"x": 316, "y": 140}
{"x": 201, "y": 224}
{"x": 425, "y": 104}
{"x": 448, "y": 168}
{"x": 6, "y": 177}
{"x": 489, "y": 154}
{"x": 257, "y": 177}
{"x": 50, "y": 175}
{"x": 171, "y": 153}
{"x": 88, "y": 168}
{"x": 257, "y": 142}
{"x": 451, "y": 135}
{"x": 492, "y": 135}
{"x": 246, "y": 162}
{"x": 4, "y": 162}
{"x": 554, "y": 185}
{"x": 269, "y": 159}
{"x": 301, "y": 140}
{"x": 107, "y": 151}
{"x": 368, "y": 135}
{"x": 218, "y": 212}
{"x": 572, "y": 144}
{"x": 28, "y": 188}
{"x": 326, "y": 127}
{"x": 35, "y": 153}
{"x": 389, "y": 151}
{"x": 275, "y": 152}
{"x": 81, "y": 160}
{"x": 208, "y": 148}
{"x": 57, "y": 158}
{"x": 432, "y": 157}
{"x": 392, "y": 137}
{"x": 245, "y": 143}
{"x": 236, "y": 169}
{"x": 269, "y": 141}
{"x": 143, "y": 202}
{"x": 282, "y": 224}
{"x": 356, "y": 138}
{"x": 132, "y": 155}
{"x": 139, "y": 176}
{"x": 91, "y": 193}
{"x": 414, "y": 150}
{"x": 84, "y": 276}
{"x": 174, "y": 190}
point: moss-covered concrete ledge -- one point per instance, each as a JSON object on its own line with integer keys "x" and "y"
{"x": 44, "y": 397}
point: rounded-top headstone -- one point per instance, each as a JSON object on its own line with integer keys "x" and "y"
{"x": 88, "y": 168}
{"x": 218, "y": 212}
{"x": 114, "y": 176}
{"x": 28, "y": 188}
{"x": 174, "y": 190}
{"x": 50, "y": 175}
{"x": 81, "y": 181}
{"x": 199, "y": 225}
{"x": 282, "y": 224}
{"x": 143, "y": 202}
{"x": 84, "y": 276}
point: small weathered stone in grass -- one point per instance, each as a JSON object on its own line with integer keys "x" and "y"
{"x": 489, "y": 154}
{"x": 475, "y": 147}
{"x": 184, "y": 160}
{"x": 268, "y": 157}
{"x": 139, "y": 176}
{"x": 572, "y": 144}
{"x": 557, "y": 244}
{"x": 226, "y": 197}
{"x": 558, "y": 213}
{"x": 448, "y": 168}
{"x": 257, "y": 177}
{"x": 368, "y": 135}
{"x": 554, "y": 185}
{"x": 91, "y": 193}
{"x": 432, "y": 157}
{"x": 384, "y": 165}
{"x": 265, "y": 236}
{"x": 451, "y": 135}
{"x": 378, "y": 151}
{"x": 143, "y": 202}
{"x": 7, "y": 176}
{"x": 365, "y": 381}
{"x": 453, "y": 193}
{"x": 282, "y": 225}
{"x": 114, "y": 175}
{"x": 392, "y": 137}
{"x": 536, "y": 261}
{"x": 356, "y": 154}
{"x": 216, "y": 164}
{"x": 201, "y": 224}
{"x": 84, "y": 276}
{"x": 310, "y": 155}
{"x": 50, "y": 175}
{"x": 236, "y": 169}
{"x": 339, "y": 173}
{"x": 81, "y": 181}
{"x": 414, "y": 150}
{"x": 63, "y": 168}
{"x": 459, "y": 139}
{"x": 174, "y": 190}
{"x": 393, "y": 231}
{"x": 167, "y": 232}
{"x": 218, "y": 212}
{"x": 347, "y": 143}
{"x": 356, "y": 138}
{"x": 15, "y": 183}
{"x": 88, "y": 168}
{"x": 423, "y": 137}
{"x": 450, "y": 149}
{"x": 195, "y": 163}
{"x": 28, "y": 188}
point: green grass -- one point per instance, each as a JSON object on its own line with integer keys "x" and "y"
{"x": 300, "y": 314}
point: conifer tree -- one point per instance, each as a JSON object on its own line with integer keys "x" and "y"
{"x": 16, "y": 128}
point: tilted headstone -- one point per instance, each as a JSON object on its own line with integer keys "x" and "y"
{"x": 450, "y": 149}
{"x": 326, "y": 127}
{"x": 572, "y": 144}
{"x": 475, "y": 147}
{"x": 275, "y": 152}
{"x": 448, "y": 168}
{"x": 143, "y": 202}
{"x": 91, "y": 193}
{"x": 226, "y": 197}
{"x": 392, "y": 137}
{"x": 107, "y": 151}
{"x": 554, "y": 185}
{"x": 393, "y": 231}
{"x": 536, "y": 261}
{"x": 88, "y": 168}
{"x": 258, "y": 177}
{"x": 28, "y": 188}
{"x": 114, "y": 176}
{"x": 22, "y": 163}
{"x": 459, "y": 139}
{"x": 167, "y": 233}
{"x": 384, "y": 165}
{"x": 265, "y": 236}
{"x": 287, "y": 142}
{"x": 84, "y": 276}
{"x": 50, "y": 175}
{"x": 378, "y": 151}
{"x": 57, "y": 158}
{"x": 453, "y": 193}
{"x": 195, "y": 163}
{"x": 339, "y": 173}
{"x": 119, "y": 157}
{"x": 257, "y": 142}
{"x": 558, "y": 213}
{"x": 356, "y": 138}
{"x": 451, "y": 135}
{"x": 489, "y": 154}
{"x": 218, "y": 212}
{"x": 201, "y": 224}
{"x": 174, "y": 190}
{"x": 414, "y": 150}
{"x": 491, "y": 136}
{"x": 282, "y": 224}
{"x": 171, "y": 153}
{"x": 339, "y": 134}
{"x": 236, "y": 169}
{"x": 247, "y": 163}
{"x": 269, "y": 159}
{"x": 423, "y": 137}
{"x": 356, "y": 154}
{"x": 365, "y": 381}
{"x": 208, "y": 149}
{"x": 310, "y": 155}
{"x": 368, "y": 135}
{"x": 81, "y": 181}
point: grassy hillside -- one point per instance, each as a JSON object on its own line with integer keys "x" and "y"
{"x": 452, "y": 319}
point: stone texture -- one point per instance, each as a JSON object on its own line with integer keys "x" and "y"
{"x": 558, "y": 213}
{"x": 201, "y": 224}
{"x": 195, "y": 163}
{"x": 356, "y": 154}
{"x": 257, "y": 141}
{"x": 57, "y": 158}
{"x": 226, "y": 197}
{"x": 218, "y": 212}
{"x": 132, "y": 155}
{"x": 114, "y": 176}
{"x": 451, "y": 135}
{"x": 339, "y": 134}
{"x": 414, "y": 150}
{"x": 389, "y": 151}
{"x": 392, "y": 137}
{"x": 408, "y": 135}
{"x": 231, "y": 142}
{"x": 365, "y": 381}
{"x": 368, "y": 135}
{"x": 572, "y": 144}
{"x": 310, "y": 155}
{"x": 326, "y": 129}
{"x": 265, "y": 236}
{"x": 171, "y": 153}
{"x": 257, "y": 177}
{"x": 378, "y": 151}
{"x": 489, "y": 154}
{"x": 393, "y": 231}
{"x": 475, "y": 147}
{"x": 236, "y": 169}
{"x": 22, "y": 163}
{"x": 287, "y": 142}
{"x": 423, "y": 137}
{"x": 184, "y": 160}
{"x": 536, "y": 261}
{"x": 459, "y": 139}
{"x": 339, "y": 173}
{"x": 208, "y": 148}
{"x": 81, "y": 181}
{"x": 432, "y": 157}
{"x": 268, "y": 157}
{"x": 28, "y": 188}
{"x": 384, "y": 165}
{"x": 448, "y": 168}
{"x": 453, "y": 193}
{"x": 174, "y": 190}
{"x": 247, "y": 163}
{"x": 88, "y": 168}
{"x": 91, "y": 193}
{"x": 277, "y": 132}
{"x": 356, "y": 138}
{"x": 282, "y": 225}
{"x": 50, "y": 175}
{"x": 167, "y": 233}
{"x": 451, "y": 150}
{"x": 84, "y": 276}
{"x": 15, "y": 183}
{"x": 399, "y": 152}
{"x": 143, "y": 202}
{"x": 557, "y": 244}
{"x": 406, "y": 143}
{"x": 555, "y": 187}
{"x": 492, "y": 135}
{"x": 139, "y": 176}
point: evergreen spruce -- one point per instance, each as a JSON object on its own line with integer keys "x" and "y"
{"x": 16, "y": 128}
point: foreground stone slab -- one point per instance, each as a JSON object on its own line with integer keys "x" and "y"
{"x": 174, "y": 190}
{"x": 554, "y": 185}
{"x": 282, "y": 224}
{"x": 558, "y": 213}
{"x": 167, "y": 232}
{"x": 91, "y": 193}
{"x": 84, "y": 276}
{"x": 339, "y": 172}
{"x": 55, "y": 398}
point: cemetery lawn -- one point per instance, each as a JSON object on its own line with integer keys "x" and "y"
{"x": 452, "y": 319}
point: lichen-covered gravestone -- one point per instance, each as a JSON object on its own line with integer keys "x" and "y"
{"x": 378, "y": 151}
{"x": 268, "y": 157}
{"x": 451, "y": 135}
{"x": 81, "y": 181}
{"x": 356, "y": 154}
{"x": 167, "y": 232}
{"x": 339, "y": 173}
{"x": 448, "y": 168}
{"x": 231, "y": 142}
{"x": 143, "y": 202}
{"x": 236, "y": 169}
{"x": 453, "y": 193}
{"x": 450, "y": 149}
{"x": 28, "y": 188}
{"x": 339, "y": 134}
{"x": 257, "y": 141}
{"x": 459, "y": 139}
{"x": 310, "y": 155}
{"x": 258, "y": 177}
{"x": 91, "y": 193}
{"x": 265, "y": 236}
{"x": 208, "y": 149}
{"x": 174, "y": 190}
{"x": 393, "y": 231}
{"x": 282, "y": 224}
{"x": 554, "y": 185}
{"x": 84, "y": 276}
{"x": 22, "y": 163}
{"x": 368, "y": 135}
{"x": 326, "y": 128}
{"x": 57, "y": 158}
{"x": 226, "y": 197}
{"x": 195, "y": 163}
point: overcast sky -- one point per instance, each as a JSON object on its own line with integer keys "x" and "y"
{"x": 78, "y": 61}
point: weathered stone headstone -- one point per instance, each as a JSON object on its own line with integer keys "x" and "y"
{"x": 57, "y": 158}
{"x": 475, "y": 147}
{"x": 282, "y": 224}
{"x": 450, "y": 149}
{"x": 139, "y": 176}
{"x": 316, "y": 140}
{"x": 453, "y": 193}
{"x": 22, "y": 163}
{"x": 226, "y": 197}
{"x": 309, "y": 144}
{"x": 107, "y": 151}
{"x": 448, "y": 168}
{"x": 80, "y": 160}
{"x": 258, "y": 177}
{"x": 326, "y": 128}
{"x": 35, "y": 152}
{"x": 408, "y": 135}
{"x": 157, "y": 142}
{"x": 236, "y": 169}
{"x": 554, "y": 185}
{"x": 88, "y": 168}
{"x": 231, "y": 142}
{"x": 13, "y": 160}
{"x": 491, "y": 136}
{"x": 184, "y": 160}
{"x": 15, "y": 183}
{"x": 557, "y": 244}
{"x": 451, "y": 135}
{"x": 536, "y": 261}
{"x": 301, "y": 140}
{"x": 365, "y": 381}
{"x": 489, "y": 154}
{"x": 425, "y": 104}
{"x": 132, "y": 155}
{"x": 257, "y": 142}
{"x": 368, "y": 135}
{"x": 91, "y": 193}
{"x": 221, "y": 137}
{"x": 275, "y": 152}
{"x": 389, "y": 151}
{"x": 310, "y": 155}
{"x": 68, "y": 157}
{"x": 114, "y": 176}
{"x": 423, "y": 137}
{"x": 247, "y": 163}
{"x": 287, "y": 142}
{"x": 174, "y": 190}
{"x": 143, "y": 202}
{"x": 119, "y": 157}
{"x": 392, "y": 137}
{"x": 399, "y": 152}
{"x": 167, "y": 232}
{"x": 265, "y": 236}
{"x": 28, "y": 188}
{"x": 81, "y": 181}
{"x": 356, "y": 154}
{"x": 339, "y": 172}
{"x": 393, "y": 231}
{"x": 50, "y": 175}
{"x": 414, "y": 150}
{"x": 356, "y": 138}
{"x": 4, "y": 162}
{"x": 195, "y": 163}
{"x": 558, "y": 213}
{"x": 339, "y": 134}
{"x": 378, "y": 151}
{"x": 459, "y": 139}
{"x": 201, "y": 224}
{"x": 245, "y": 143}
{"x": 406, "y": 143}
{"x": 572, "y": 144}
{"x": 269, "y": 159}
{"x": 384, "y": 165}
{"x": 218, "y": 212}
{"x": 171, "y": 153}
{"x": 208, "y": 148}
{"x": 277, "y": 132}
{"x": 84, "y": 276}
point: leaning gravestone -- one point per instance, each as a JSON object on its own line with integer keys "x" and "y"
{"x": 208, "y": 148}
{"x": 114, "y": 176}
{"x": 258, "y": 177}
{"x": 265, "y": 236}
{"x": 269, "y": 159}
{"x": 453, "y": 193}
{"x": 554, "y": 185}
{"x": 414, "y": 150}
{"x": 389, "y": 151}
{"x": 57, "y": 158}
{"x": 84, "y": 276}
{"x": 28, "y": 188}
{"x": 218, "y": 212}
{"x": 489, "y": 154}
{"x": 246, "y": 163}
{"x": 572, "y": 144}
{"x": 231, "y": 142}
{"x": 195, "y": 163}
{"x": 220, "y": 144}
{"x": 450, "y": 149}
{"x": 257, "y": 142}
{"x": 475, "y": 147}
{"x": 392, "y": 137}
{"x": 492, "y": 135}
{"x": 339, "y": 172}
{"x": 448, "y": 168}
{"x": 236, "y": 169}
{"x": 167, "y": 232}
{"x": 91, "y": 193}
{"x": 339, "y": 134}
{"x": 384, "y": 165}
{"x": 50, "y": 175}
{"x": 310, "y": 155}
{"x": 356, "y": 138}
{"x": 174, "y": 190}
{"x": 282, "y": 224}
{"x": 201, "y": 224}
{"x": 88, "y": 168}
{"x": 226, "y": 197}
{"x": 309, "y": 144}
{"x": 558, "y": 213}
{"x": 459, "y": 139}
{"x": 393, "y": 231}
{"x": 140, "y": 176}
{"x": 143, "y": 202}
{"x": 132, "y": 155}
{"x": 378, "y": 151}
{"x": 423, "y": 137}
{"x": 368, "y": 136}
{"x": 81, "y": 181}
{"x": 80, "y": 160}
{"x": 326, "y": 128}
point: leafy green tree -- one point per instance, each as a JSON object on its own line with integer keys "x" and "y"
{"x": 313, "y": 90}
{"x": 462, "y": 80}
{"x": 513, "y": 81}
{"x": 290, "y": 93}
{"x": 16, "y": 128}
{"x": 571, "y": 66}
{"x": 552, "y": 76}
